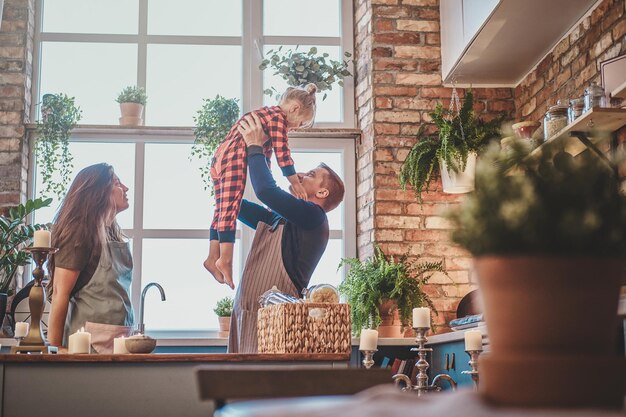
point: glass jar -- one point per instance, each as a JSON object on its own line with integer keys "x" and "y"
{"x": 594, "y": 97}
{"x": 275, "y": 296}
{"x": 554, "y": 120}
{"x": 576, "y": 109}
{"x": 321, "y": 293}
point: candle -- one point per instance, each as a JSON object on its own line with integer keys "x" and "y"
{"x": 79, "y": 342}
{"x": 473, "y": 340}
{"x": 42, "y": 239}
{"x": 119, "y": 345}
{"x": 421, "y": 317}
{"x": 21, "y": 329}
{"x": 369, "y": 339}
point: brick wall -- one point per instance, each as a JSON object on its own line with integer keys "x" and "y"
{"x": 398, "y": 42}
{"x": 16, "y": 64}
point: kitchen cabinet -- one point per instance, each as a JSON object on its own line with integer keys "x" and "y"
{"x": 496, "y": 43}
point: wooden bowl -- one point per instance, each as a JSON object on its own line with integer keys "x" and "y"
{"x": 140, "y": 344}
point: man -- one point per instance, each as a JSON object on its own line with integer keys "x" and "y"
{"x": 290, "y": 237}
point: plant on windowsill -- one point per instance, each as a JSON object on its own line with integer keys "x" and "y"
{"x": 59, "y": 115}
{"x": 548, "y": 236}
{"x": 213, "y": 122}
{"x": 15, "y": 235}
{"x": 454, "y": 147}
{"x": 224, "y": 309}
{"x": 373, "y": 284}
{"x": 132, "y": 100}
{"x": 301, "y": 68}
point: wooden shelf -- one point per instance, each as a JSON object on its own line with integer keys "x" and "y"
{"x": 597, "y": 119}
{"x": 620, "y": 91}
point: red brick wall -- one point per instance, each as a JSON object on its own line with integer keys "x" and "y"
{"x": 574, "y": 62}
{"x": 398, "y": 84}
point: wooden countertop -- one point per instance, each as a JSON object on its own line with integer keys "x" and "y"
{"x": 179, "y": 357}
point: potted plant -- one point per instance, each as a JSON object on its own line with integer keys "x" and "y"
{"x": 454, "y": 147}
{"x": 132, "y": 100}
{"x": 213, "y": 122}
{"x": 224, "y": 309}
{"x": 59, "y": 115}
{"x": 549, "y": 246}
{"x": 382, "y": 284}
{"x": 301, "y": 68}
{"x": 15, "y": 235}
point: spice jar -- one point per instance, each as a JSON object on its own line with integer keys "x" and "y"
{"x": 321, "y": 293}
{"x": 554, "y": 120}
{"x": 594, "y": 97}
{"x": 576, "y": 109}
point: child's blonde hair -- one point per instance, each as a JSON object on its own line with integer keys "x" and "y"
{"x": 306, "y": 97}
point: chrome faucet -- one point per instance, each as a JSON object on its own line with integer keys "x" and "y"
{"x": 444, "y": 377}
{"x": 141, "y": 326}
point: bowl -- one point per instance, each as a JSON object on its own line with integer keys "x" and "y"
{"x": 140, "y": 344}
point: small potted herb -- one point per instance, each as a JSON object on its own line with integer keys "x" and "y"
{"x": 224, "y": 309}
{"x": 132, "y": 100}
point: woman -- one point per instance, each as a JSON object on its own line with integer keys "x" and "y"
{"x": 91, "y": 273}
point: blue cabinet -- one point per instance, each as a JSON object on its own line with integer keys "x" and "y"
{"x": 450, "y": 358}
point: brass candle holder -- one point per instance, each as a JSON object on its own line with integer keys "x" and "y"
{"x": 473, "y": 363}
{"x": 35, "y": 342}
{"x": 368, "y": 358}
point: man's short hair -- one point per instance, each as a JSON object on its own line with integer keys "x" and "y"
{"x": 336, "y": 189}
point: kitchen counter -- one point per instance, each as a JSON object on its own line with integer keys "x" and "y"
{"x": 176, "y": 357}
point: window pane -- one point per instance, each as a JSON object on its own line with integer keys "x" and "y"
{"x": 174, "y": 194}
{"x": 305, "y": 161}
{"x": 302, "y": 18}
{"x": 93, "y": 73}
{"x": 93, "y": 16}
{"x": 120, "y": 155}
{"x": 326, "y": 271}
{"x": 329, "y": 110}
{"x": 195, "y": 17}
{"x": 179, "y": 77}
{"x": 191, "y": 291}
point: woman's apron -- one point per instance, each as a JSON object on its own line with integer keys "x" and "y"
{"x": 264, "y": 269}
{"x": 103, "y": 305}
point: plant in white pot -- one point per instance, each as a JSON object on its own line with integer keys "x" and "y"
{"x": 224, "y": 309}
{"x": 549, "y": 246}
{"x": 132, "y": 100}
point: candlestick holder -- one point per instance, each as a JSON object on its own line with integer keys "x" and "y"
{"x": 368, "y": 357}
{"x": 473, "y": 363}
{"x": 422, "y": 365}
{"x": 34, "y": 342}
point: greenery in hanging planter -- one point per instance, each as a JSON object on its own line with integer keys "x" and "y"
{"x": 556, "y": 205}
{"x": 457, "y": 136}
{"x": 59, "y": 115}
{"x": 371, "y": 282}
{"x": 15, "y": 235}
{"x": 301, "y": 68}
{"x": 132, "y": 94}
{"x": 224, "y": 307}
{"x": 213, "y": 122}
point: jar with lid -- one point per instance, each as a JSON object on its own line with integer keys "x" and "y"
{"x": 594, "y": 97}
{"x": 554, "y": 120}
{"x": 576, "y": 109}
{"x": 275, "y": 296}
{"x": 321, "y": 293}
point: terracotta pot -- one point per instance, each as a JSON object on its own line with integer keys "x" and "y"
{"x": 131, "y": 109}
{"x": 224, "y": 325}
{"x": 545, "y": 314}
{"x": 390, "y": 326}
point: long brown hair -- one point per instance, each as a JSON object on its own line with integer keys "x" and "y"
{"x": 86, "y": 216}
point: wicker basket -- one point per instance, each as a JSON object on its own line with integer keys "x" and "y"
{"x": 304, "y": 328}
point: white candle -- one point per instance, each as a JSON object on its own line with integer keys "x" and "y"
{"x": 80, "y": 342}
{"x": 42, "y": 239}
{"x": 369, "y": 339}
{"x": 473, "y": 340}
{"x": 119, "y": 345}
{"x": 21, "y": 329}
{"x": 421, "y": 317}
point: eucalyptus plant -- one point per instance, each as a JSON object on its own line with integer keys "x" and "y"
{"x": 213, "y": 123}
{"x": 132, "y": 94}
{"x": 15, "y": 235}
{"x": 301, "y": 68}
{"x": 458, "y": 134}
{"x": 224, "y": 307}
{"x": 59, "y": 115}
{"x": 375, "y": 280}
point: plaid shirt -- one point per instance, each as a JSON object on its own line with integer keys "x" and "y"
{"x": 274, "y": 121}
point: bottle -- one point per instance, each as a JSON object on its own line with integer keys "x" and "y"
{"x": 321, "y": 293}
{"x": 275, "y": 296}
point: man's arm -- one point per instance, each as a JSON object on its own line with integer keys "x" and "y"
{"x": 251, "y": 214}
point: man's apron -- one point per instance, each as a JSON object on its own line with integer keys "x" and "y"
{"x": 264, "y": 269}
{"x": 103, "y": 305}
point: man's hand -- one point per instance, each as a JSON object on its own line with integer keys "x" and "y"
{"x": 252, "y": 130}
{"x": 296, "y": 187}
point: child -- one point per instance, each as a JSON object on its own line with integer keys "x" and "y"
{"x": 229, "y": 170}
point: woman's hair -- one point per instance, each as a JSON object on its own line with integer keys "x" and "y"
{"x": 306, "y": 97}
{"x": 86, "y": 217}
